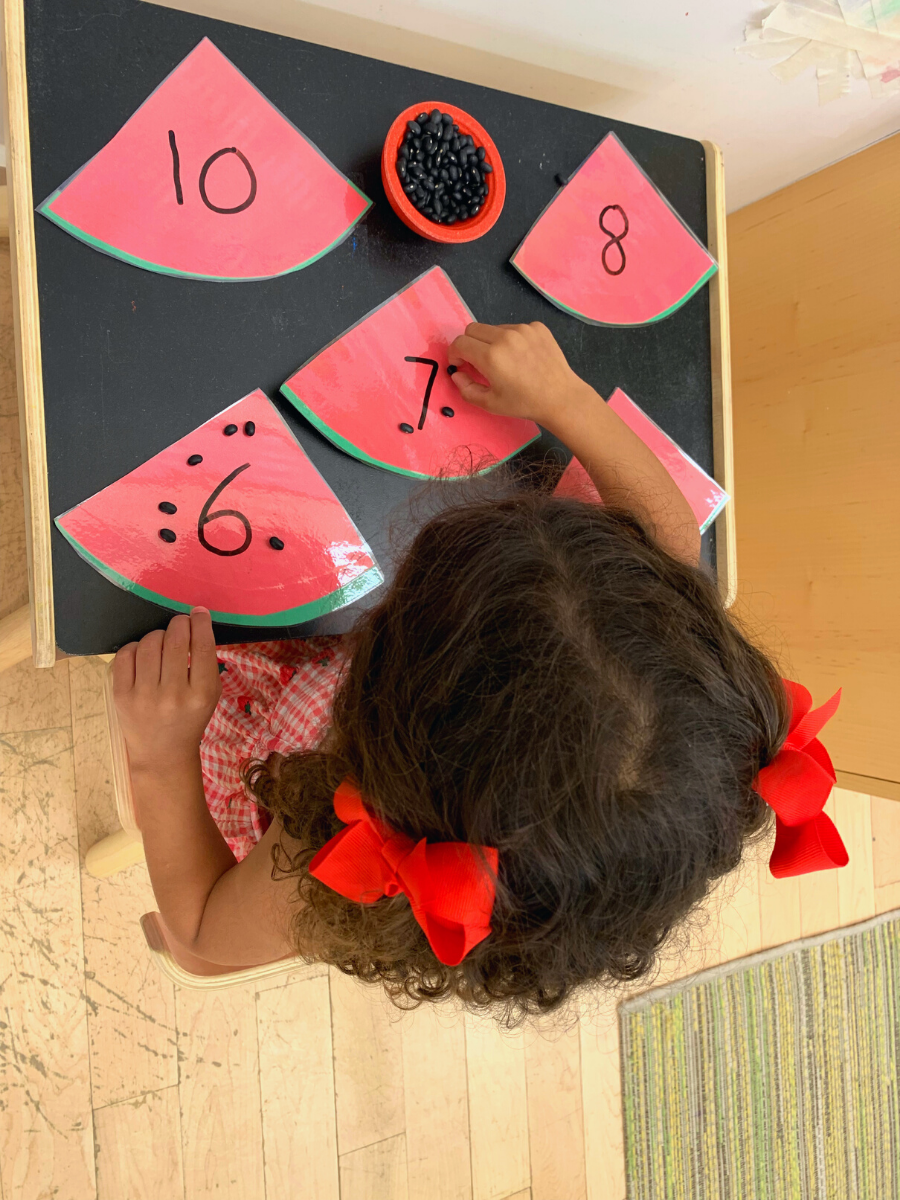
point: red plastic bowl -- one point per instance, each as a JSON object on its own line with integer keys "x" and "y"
{"x": 462, "y": 231}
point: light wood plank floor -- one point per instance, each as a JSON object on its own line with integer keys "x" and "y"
{"x": 114, "y": 1086}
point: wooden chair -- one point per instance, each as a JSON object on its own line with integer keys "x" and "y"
{"x": 125, "y": 848}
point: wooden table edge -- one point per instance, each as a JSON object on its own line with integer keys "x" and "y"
{"x": 26, "y": 323}
{"x": 720, "y": 353}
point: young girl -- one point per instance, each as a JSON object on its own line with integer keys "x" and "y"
{"x": 523, "y": 769}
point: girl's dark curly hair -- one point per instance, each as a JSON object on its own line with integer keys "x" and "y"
{"x": 543, "y": 678}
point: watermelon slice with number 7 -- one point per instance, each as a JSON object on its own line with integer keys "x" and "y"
{"x": 207, "y": 179}
{"x": 235, "y": 517}
{"x": 610, "y": 249}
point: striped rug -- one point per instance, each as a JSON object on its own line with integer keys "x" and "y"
{"x": 771, "y": 1078}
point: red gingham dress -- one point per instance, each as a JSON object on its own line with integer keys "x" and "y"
{"x": 276, "y": 696}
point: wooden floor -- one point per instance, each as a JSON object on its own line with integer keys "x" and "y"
{"x": 114, "y": 1085}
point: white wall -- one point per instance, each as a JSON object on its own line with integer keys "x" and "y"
{"x": 669, "y": 64}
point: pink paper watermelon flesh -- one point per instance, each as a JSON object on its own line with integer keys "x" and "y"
{"x": 236, "y": 482}
{"x": 209, "y": 180}
{"x": 610, "y": 249}
{"x": 389, "y": 371}
{"x": 705, "y": 496}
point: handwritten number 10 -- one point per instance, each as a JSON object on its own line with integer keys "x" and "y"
{"x": 204, "y": 171}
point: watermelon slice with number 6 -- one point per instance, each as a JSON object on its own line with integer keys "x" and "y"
{"x": 382, "y": 393}
{"x": 234, "y": 517}
{"x": 610, "y": 249}
{"x": 207, "y": 179}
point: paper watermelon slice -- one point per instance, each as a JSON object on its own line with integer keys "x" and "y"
{"x": 234, "y": 517}
{"x": 209, "y": 180}
{"x": 381, "y": 391}
{"x": 705, "y": 496}
{"x": 610, "y": 249}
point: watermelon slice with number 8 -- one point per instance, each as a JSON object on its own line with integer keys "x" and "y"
{"x": 610, "y": 249}
{"x": 207, "y": 179}
{"x": 234, "y": 517}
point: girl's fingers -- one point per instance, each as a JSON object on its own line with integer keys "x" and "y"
{"x": 148, "y": 659}
{"x": 469, "y": 349}
{"x": 485, "y": 333}
{"x": 176, "y": 646}
{"x": 123, "y": 669}
{"x": 475, "y": 393}
{"x": 204, "y": 666}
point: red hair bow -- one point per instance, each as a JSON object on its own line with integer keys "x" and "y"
{"x": 450, "y": 892}
{"x": 796, "y": 783}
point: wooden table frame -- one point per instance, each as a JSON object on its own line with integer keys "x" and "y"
{"x": 20, "y": 634}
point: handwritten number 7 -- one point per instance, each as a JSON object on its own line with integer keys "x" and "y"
{"x": 431, "y": 378}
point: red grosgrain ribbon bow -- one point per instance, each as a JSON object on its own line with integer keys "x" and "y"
{"x": 449, "y": 890}
{"x": 796, "y": 783}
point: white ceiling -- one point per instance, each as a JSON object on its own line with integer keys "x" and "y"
{"x": 669, "y": 64}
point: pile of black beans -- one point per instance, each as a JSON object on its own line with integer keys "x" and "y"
{"x": 442, "y": 170}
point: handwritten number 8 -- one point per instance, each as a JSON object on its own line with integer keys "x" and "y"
{"x": 206, "y": 516}
{"x": 204, "y": 171}
{"x": 615, "y": 239}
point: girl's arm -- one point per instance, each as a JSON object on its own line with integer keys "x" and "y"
{"x": 166, "y": 687}
{"x": 528, "y": 376}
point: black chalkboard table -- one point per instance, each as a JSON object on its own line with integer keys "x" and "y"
{"x": 115, "y": 362}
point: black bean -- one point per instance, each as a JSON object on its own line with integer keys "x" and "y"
{"x": 229, "y": 430}
{"x": 419, "y": 155}
{"x": 456, "y": 129}
{"x": 428, "y": 184}
{"x": 195, "y": 460}
{"x": 249, "y": 428}
{"x": 438, "y": 208}
{"x": 487, "y": 168}
{"x": 447, "y": 135}
{"x": 451, "y": 220}
{"x": 276, "y": 543}
{"x": 401, "y": 168}
{"x": 417, "y": 143}
{"x": 436, "y": 116}
{"x": 403, "y": 152}
{"x": 445, "y": 175}
{"x": 427, "y": 144}
{"x": 167, "y": 535}
{"x": 480, "y": 153}
{"x": 476, "y": 208}
{"x": 414, "y": 128}
{"x": 446, "y": 118}
{"x": 410, "y": 189}
{"x": 167, "y": 507}
{"x": 453, "y": 173}
{"x": 454, "y": 145}
{"x": 447, "y": 411}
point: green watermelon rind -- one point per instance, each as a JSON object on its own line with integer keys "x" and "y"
{"x": 107, "y": 248}
{"x": 354, "y": 451}
{"x": 364, "y": 583}
{"x": 573, "y": 312}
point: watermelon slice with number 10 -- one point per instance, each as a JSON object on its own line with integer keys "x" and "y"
{"x": 235, "y": 517}
{"x": 207, "y": 179}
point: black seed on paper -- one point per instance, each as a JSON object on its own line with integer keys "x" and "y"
{"x": 229, "y": 430}
{"x": 167, "y": 535}
{"x": 195, "y": 460}
{"x": 167, "y": 507}
{"x": 249, "y": 428}
{"x": 447, "y": 411}
{"x": 276, "y": 543}
{"x": 404, "y": 428}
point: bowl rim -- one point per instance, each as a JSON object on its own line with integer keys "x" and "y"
{"x": 475, "y": 227}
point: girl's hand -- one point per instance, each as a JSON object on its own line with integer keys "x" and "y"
{"x": 166, "y": 687}
{"x": 527, "y": 373}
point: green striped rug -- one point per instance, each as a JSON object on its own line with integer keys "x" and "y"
{"x": 771, "y": 1078}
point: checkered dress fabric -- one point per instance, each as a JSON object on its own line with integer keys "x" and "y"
{"x": 276, "y": 696}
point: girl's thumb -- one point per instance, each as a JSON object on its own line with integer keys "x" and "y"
{"x": 475, "y": 393}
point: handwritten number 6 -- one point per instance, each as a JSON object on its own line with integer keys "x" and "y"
{"x": 204, "y": 171}
{"x": 206, "y": 516}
